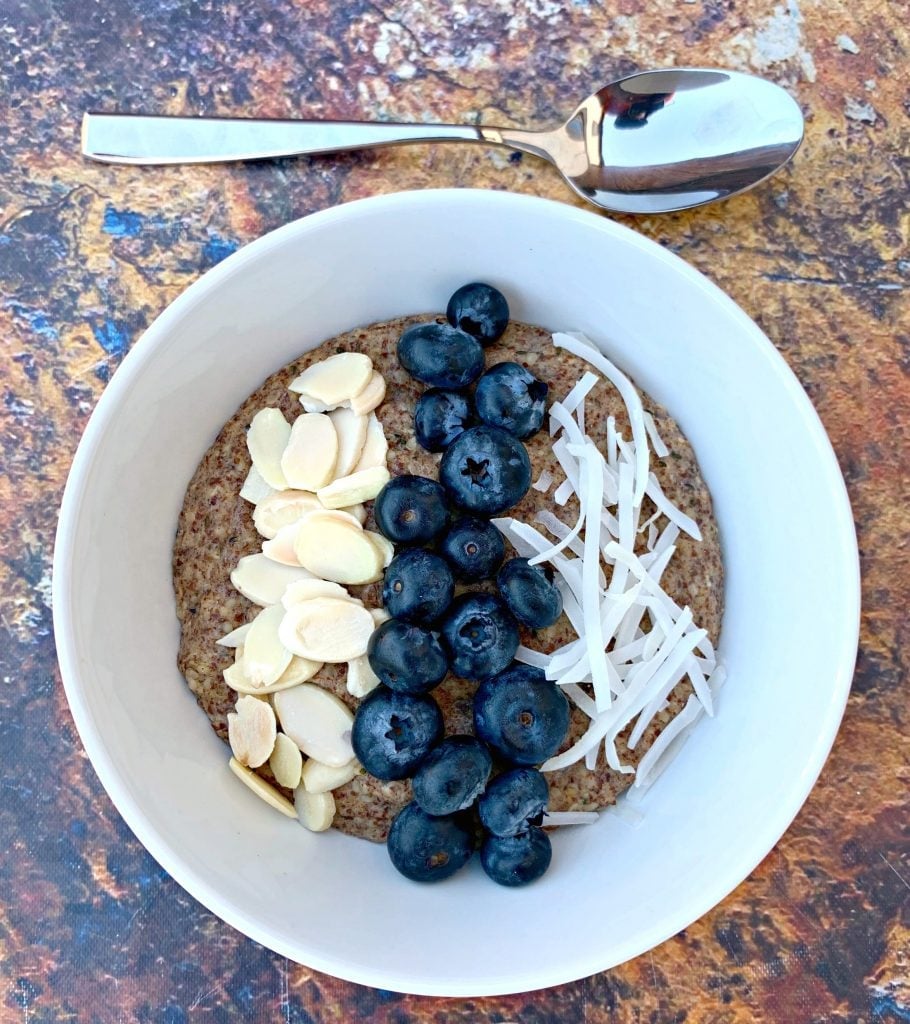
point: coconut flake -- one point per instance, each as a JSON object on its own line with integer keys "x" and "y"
{"x": 560, "y": 818}
{"x": 634, "y": 409}
{"x": 657, "y": 442}
{"x": 675, "y": 515}
{"x": 662, "y": 748}
{"x": 544, "y": 482}
{"x": 527, "y": 656}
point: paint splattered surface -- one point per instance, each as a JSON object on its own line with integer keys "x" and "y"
{"x": 90, "y": 928}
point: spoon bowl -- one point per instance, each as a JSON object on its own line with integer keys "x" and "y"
{"x": 652, "y": 142}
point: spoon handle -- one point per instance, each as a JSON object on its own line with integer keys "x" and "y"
{"x": 152, "y": 139}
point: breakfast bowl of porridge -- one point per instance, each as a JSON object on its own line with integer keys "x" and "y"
{"x": 456, "y": 592}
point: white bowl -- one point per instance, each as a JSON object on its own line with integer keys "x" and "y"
{"x": 789, "y": 633}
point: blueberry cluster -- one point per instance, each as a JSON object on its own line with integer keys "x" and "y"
{"x": 520, "y": 717}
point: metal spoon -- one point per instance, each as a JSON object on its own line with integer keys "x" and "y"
{"x": 650, "y": 143}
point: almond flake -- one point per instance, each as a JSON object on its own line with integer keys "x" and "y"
{"x": 265, "y": 657}
{"x": 325, "y": 629}
{"x": 358, "y": 511}
{"x": 235, "y": 637}
{"x": 281, "y": 508}
{"x": 262, "y": 789}
{"x": 281, "y": 547}
{"x": 383, "y": 545}
{"x": 361, "y": 679}
{"x": 318, "y": 722}
{"x": 335, "y": 550}
{"x": 255, "y": 489}
{"x": 351, "y": 430}
{"x": 363, "y": 485}
{"x": 315, "y": 811}
{"x": 266, "y": 440}
{"x": 300, "y": 670}
{"x": 306, "y": 590}
{"x": 375, "y": 447}
{"x": 380, "y": 615}
{"x": 286, "y": 762}
{"x": 263, "y": 581}
{"x": 317, "y": 777}
{"x": 336, "y": 379}
{"x": 371, "y": 397}
{"x": 251, "y": 731}
{"x": 308, "y": 461}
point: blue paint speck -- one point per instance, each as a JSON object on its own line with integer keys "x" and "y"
{"x": 217, "y": 249}
{"x": 121, "y": 223}
{"x": 888, "y": 1006}
{"x": 111, "y": 337}
{"x": 36, "y": 319}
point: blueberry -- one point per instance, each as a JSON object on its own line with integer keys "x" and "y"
{"x": 407, "y": 658}
{"x": 513, "y": 801}
{"x": 411, "y": 509}
{"x": 426, "y": 848}
{"x": 474, "y": 548}
{"x": 485, "y": 470}
{"x": 417, "y": 586}
{"x": 521, "y": 714}
{"x": 452, "y": 775}
{"x": 511, "y": 397}
{"x": 480, "y": 310}
{"x": 393, "y": 732}
{"x": 440, "y": 416}
{"x": 529, "y": 591}
{"x": 480, "y": 636}
{"x": 517, "y": 860}
{"x": 440, "y": 355}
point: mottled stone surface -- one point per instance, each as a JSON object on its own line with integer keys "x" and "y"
{"x": 90, "y": 928}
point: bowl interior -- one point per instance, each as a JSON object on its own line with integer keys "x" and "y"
{"x": 789, "y": 634}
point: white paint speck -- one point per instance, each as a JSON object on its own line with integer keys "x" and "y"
{"x": 847, "y": 44}
{"x": 858, "y": 110}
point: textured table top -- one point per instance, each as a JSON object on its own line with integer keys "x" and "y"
{"x": 91, "y": 929}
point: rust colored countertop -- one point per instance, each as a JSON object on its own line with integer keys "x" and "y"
{"x": 91, "y": 929}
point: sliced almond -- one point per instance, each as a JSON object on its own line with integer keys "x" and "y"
{"x": 255, "y": 489}
{"x": 384, "y": 546}
{"x": 267, "y": 440}
{"x": 348, "y": 490}
{"x": 313, "y": 405}
{"x": 286, "y": 762}
{"x": 306, "y": 590}
{"x": 335, "y": 379}
{"x": 317, "y": 777}
{"x": 371, "y": 397}
{"x": 315, "y": 811}
{"x": 352, "y": 431}
{"x": 318, "y": 722}
{"x": 281, "y": 547}
{"x": 379, "y": 615}
{"x": 358, "y": 511}
{"x": 338, "y": 551}
{"x": 263, "y": 581}
{"x": 281, "y": 508}
{"x": 235, "y": 637}
{"x": 375, "y": 447}
{"x": 262, "y": 789}
{"x": 251, "y": 731}
{"x": 336, "y": 515}
{"x": 300, "y": 670}
{"x": 308, "y": 461}
{"x": 361, "y": 679}
{"x": 265, "y": 657}
{"x": 325, "y": 629}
